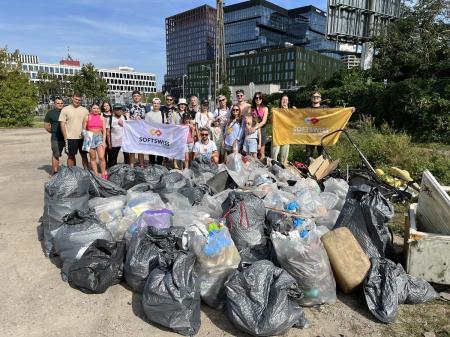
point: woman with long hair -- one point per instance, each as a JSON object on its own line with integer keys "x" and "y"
{"x": 233, "y": 131}
{"x": 95, "y": 123}
{"x": 260, "y": 112}
{"x": 106, "y": 110}
{"x": 283, "y": 150}
{"x": 194, "y": 106}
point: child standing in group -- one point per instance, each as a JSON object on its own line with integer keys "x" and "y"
{"x": 216, "y": 131}
{"x": 252, "y": 140}
{"x": 114, "y": 131}
{"x": 233, "y": 131}
{"x": 95, "y": 123}
{"x": 188, "y": 154}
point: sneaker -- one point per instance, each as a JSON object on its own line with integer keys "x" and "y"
{"x": 105, "y": 176}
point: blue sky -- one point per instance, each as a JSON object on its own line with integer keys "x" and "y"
{"x": 107, "y": 33}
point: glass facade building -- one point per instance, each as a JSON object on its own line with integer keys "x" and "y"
{"x": 190, "y": 37}
{"x": 260, "y": 24}
{"x": 289, "y": 67}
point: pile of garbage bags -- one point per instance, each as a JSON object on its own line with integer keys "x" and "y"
{"x": 251, "y": 239}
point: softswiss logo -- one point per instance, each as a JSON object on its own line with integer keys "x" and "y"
{"x": 311, "y": 120}
{"x": 155, "y": 132}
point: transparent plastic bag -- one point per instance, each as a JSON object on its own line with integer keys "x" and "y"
{"x": 142, "y": 202}
{"x": 329, "y": 219}
{"x": 306, "y": 259}
{"x": 310, "y": 203}
{"x": 336, "y": 186}
{"x": 329, "y": 200}
{"x": 217, "y": 258}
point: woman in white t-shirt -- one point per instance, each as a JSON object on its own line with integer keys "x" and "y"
{"x": 114, "y": 132}
{"x": 205, "y": 147}
{"x": 203, "y": 118}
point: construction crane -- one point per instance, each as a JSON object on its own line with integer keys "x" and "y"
{"x": 220, "y": 73}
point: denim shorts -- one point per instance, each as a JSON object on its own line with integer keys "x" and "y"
{"x": 250, "y": 145}
{"x": 97, "y": 140}
{"x": 189, "y": 147}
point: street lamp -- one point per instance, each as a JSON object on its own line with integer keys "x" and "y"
{"x": 183, "y": 83}
{"x": 209, "y": 90}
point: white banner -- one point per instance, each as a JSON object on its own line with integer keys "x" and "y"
{"x": 164, "y": 140}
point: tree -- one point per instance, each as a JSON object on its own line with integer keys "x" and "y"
{"x": 18, "y": 97}
{"x": 416, "y": 45}
{"x": 147, "y": 98}
{"x": 90, "y": 84}
{"x": 50, "y": 85}
{"x": 226, "y": 91}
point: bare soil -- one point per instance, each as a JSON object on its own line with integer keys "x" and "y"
{"x": 34, "y": 301}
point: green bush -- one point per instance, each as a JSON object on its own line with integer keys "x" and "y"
{"x": 384, "y": 147}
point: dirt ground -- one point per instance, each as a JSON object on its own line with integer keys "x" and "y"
{"x": 34, "y": 301}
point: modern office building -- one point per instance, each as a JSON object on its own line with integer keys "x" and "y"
{"x": 190, "y": 37}
{"x": 289, "y": 68}
{"x": 121, "y": 80}
{"x": 260, "y": 24}
{"x": 22, "y": 58}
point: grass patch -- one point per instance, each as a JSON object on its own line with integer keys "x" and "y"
{"x": 384, "y": 147}
{"x": 414, "y": 320}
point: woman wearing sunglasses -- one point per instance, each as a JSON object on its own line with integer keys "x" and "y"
{"x": 233, "y": 132}
{"x": 260, "y": 112}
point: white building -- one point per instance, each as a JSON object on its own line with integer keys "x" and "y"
{"x": 122, "y": 80}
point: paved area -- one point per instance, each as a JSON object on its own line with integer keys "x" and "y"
{"x": 34, "y": 301}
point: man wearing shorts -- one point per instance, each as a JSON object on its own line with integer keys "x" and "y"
{"x": 71, "y": 122}
{"x": 51, "y": 124}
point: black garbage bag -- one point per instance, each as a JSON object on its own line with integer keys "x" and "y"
{"x": 171, "y": 182}
{"x": 245, "y": 218}
{"x": 123, "y": 175}
{"x": 103, "y": 188}
{"x": 99, "y": 267}
{"x": 366, "y": 213}
{"x": 144, "y": 252}
{"x": 79, "y": 230}
{"x": 195, "y": 194}
{"x": 65, "y": 192}
{"x": 262, "y": 300}
{"x": 387, "y": 285}
{"x": 151, "y": 174}
{"x": 201, "y": 165}
{"x": 171, "y": 296}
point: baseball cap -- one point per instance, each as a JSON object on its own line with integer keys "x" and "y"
{"x": 182, "y": 101}
{"x": 156, "y": 100}
{"x": 117, "y": 106}
{"x": 205, "y": 102}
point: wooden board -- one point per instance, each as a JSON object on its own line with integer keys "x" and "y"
{"x": 433, "y": 206}
{"x": 322, "y": 167}
{"x": 427, "y": 254}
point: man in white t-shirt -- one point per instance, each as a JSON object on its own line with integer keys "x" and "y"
{"x": 114, "y": 132}
{"x": 205, "y": 147}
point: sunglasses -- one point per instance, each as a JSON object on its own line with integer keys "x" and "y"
{"x": 257, "y": 97}
{"x": 221, "y": 100}
{"x": 235, "y": 110}
{"x": 204, "y": 134}
{"x": 240, "y": 95}
{"x": 316, "y": 96}
{"x": 169, "y": 99}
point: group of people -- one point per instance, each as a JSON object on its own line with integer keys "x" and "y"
{"x": 212, "y": 135}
